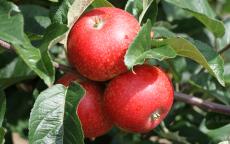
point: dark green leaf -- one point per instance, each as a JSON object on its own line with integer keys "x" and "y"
{"x": 101, "y": 3}
{"x": 14, "y": 72}
{"x": 214, "y": 120}
{"x": 2, "y": 133}
{"x": 150, "y": 12}
{"x": 203, "y": 12}
{"x": 219, "y": 134}
{"x": 73, "y": 133}
{"x": 2, "y": 114}
{"x": 2, "y": 106}
{"x": 173, "y": 13}
{"x": 36, "y": 18}
{"x": 46, "y": 118}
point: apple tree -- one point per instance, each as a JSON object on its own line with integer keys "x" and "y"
{"x": 114, "y": 71}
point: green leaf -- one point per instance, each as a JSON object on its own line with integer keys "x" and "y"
{"x": 2, "y": 106}
{"x": 59, "y": 13}
{"x": 227, "y": 73}
{"x": 224, "y": 41}
{"x": 215, "y": 61}
{"x": 162, "y": 32}
{"x": 134, "y": 7}
{"x": 150, "y": 12}
{"x": 46, "y": 118}
{"x": 53, "y": 118}
{"x": 11, "y": 28}
{"x": 219, "y": 134}
{"x": 140, "y": 44}
{"x": 205, "y": 84}
{"x": 14, "y": 72}
{"x": 72, "y": 127}
{"x": 140, "y": 49}
{"x": 201, "y": 53}
{"x": 54, "y": 33}
{"x": 101, "y": 3}
{"x": 39, "y": 62}
{"x": 73, "y": 10}
{"x": 2, "y": 133}
{"x": 69, "y": 11}
{"x": 76, "y": 9}
{"x": 8, "y": 7}
{"x": 203, "y": 12}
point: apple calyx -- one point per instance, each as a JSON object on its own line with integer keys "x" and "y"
{"x": 155, "y": 115}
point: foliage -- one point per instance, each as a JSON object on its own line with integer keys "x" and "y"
{"x": 188, "y": 38}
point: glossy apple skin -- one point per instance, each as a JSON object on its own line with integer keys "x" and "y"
{"x": 97, "y": 52}
{"x": 133, "y": 97}
{"x": 90, "y": 109}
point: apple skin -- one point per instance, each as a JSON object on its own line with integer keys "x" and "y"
{"x": 93, "y": 118}
{"x": 98, "y": 41}
{"x": 132, "y": 98}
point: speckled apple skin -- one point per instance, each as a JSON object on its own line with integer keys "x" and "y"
{"x": 98, "y": 53}
{"x": 90, "y": 110}
{"x": 132, "y": 97}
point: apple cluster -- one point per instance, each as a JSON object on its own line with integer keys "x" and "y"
{"x": 135, "y": 101}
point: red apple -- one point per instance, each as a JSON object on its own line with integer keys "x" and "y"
{"x": 138, "y": 101}
{"x": 98, "y": 42}
{"x": 90, "y": 110}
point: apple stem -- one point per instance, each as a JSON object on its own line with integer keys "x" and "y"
{"x": 98, "y": 22}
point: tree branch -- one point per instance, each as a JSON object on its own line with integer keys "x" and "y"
{"x": 219, "y": 108}
{"x": 224, "y": 49}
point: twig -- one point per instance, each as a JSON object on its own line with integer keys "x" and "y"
{"x": 62, "y": 67}
{"x": 6, "y": 45}
{"x": 202, "y": 103}
{"x": 224, "y": 49}
{"x": 178, "y": 96}
{"x": 68, "y": 69}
